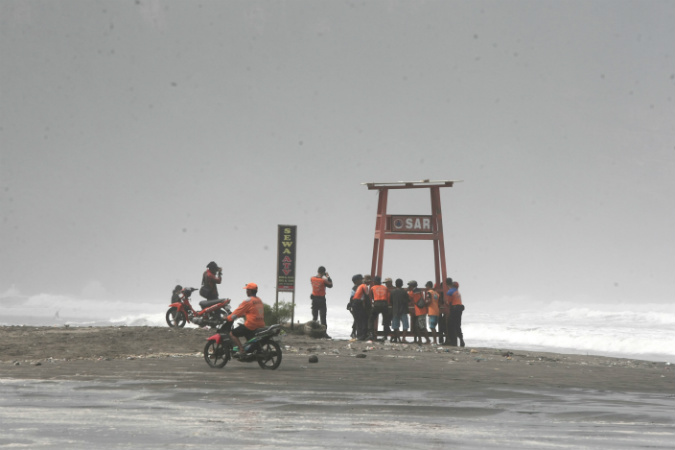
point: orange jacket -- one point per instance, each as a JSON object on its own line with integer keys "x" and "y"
{"x": 254, "y": 311}
{"x": 319, "y": 286}
{"x": 381, "y": 292}
{"x": 362, "y": 293}
{"x": 434, "y": 308}
{"x": 456, "y": 298}
{"x": 414, "y": 296}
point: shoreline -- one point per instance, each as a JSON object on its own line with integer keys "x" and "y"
{"x": 146, "y": 353}
{"x": 145, "y": 387}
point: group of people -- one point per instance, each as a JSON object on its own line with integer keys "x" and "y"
{"x": 435, "y": 316}
{"x": 427, "y": 315}
{"x": 370, "y": 298}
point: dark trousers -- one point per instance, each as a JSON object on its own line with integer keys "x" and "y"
{"x": 379, "y": 307}
{"x": 442, "y": 327}
{"x": 319, "y": 309}
{"x": 456, "y": 320}
{"x": 360, "y": 319}
{"x": 454, "y": 324}
{"x": 413, "y": 322}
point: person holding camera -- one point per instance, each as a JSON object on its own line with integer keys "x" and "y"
{"x": 210, "y": 279}
{"x": 320, "y": 282}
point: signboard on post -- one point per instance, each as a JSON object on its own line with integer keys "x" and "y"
{"x": 286, "y": 258}
{"x": 286, "y": 251}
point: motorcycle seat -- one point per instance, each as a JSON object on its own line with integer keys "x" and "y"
{"x": 206, "y": 303}
{"x": 264, "y": 329}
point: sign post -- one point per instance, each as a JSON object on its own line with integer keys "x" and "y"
{"x": 286, "y": 254}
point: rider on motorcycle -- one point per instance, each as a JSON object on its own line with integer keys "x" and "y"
{"x": 253, "y": 309}
{"x": 175, "y": 295}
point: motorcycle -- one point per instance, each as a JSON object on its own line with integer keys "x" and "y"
{"x": 263, "y": 347}
{"x": 213, "y": 312}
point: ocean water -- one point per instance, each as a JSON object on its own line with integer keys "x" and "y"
{"x": 645, "y": 331}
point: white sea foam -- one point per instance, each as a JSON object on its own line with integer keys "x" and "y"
{"x": 645, "y": 331}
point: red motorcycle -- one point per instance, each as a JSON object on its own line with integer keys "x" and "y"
{"x": 263, "y": 348}
{"x": 213, "y": 312}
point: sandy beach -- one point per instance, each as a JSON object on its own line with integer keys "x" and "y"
{"x": 372, "y": 391}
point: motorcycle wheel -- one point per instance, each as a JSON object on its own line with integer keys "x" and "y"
{"x": 270, "y": 355}
{"x": 175, "y": 318}
{"x": 216, "y": 355}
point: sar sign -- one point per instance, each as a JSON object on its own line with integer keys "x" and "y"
{"x": 411, "y": 224}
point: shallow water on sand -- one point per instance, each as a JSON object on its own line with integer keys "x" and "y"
{"x": 102, "y": 414}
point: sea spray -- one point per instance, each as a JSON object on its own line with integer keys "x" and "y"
{"x": 618, "y": 330}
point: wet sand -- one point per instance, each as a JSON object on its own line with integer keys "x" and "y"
{"x": 130, "y": 386}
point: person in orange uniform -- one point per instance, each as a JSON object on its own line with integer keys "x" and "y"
{"x": 361, "y": 304}
{"x": 381, "y": 300}
{"x": 416, "y": 295}
{"x": 456, "y": 309}
{"x": 320, "y": 282}
{"x": 253, "y": 310}
{"x": 434, "y": 309}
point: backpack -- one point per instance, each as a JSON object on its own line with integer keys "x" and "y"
{"x": 422, "y": 302}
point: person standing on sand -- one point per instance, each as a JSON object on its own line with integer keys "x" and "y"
{"x": 418, "y": 298}
{"x": 320, "y": 282}
{"x": 210, "y": 279}
{"x": 399, "y": 301}
{"x": 449, "y": 337}
{"x": 456, "y": 310}
{"x": 388, "y": 282}
{"x": 444, "y": 312}
{"x": 361, "y": 296}
{"x": 434, "y": 310}
{"x": 381, "y": 300}
{"x": 368, "y": 298}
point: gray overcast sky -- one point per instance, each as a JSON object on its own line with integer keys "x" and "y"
{"x": 142, "y": 139}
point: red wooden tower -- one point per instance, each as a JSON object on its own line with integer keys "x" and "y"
{"x": 411, "y": 227}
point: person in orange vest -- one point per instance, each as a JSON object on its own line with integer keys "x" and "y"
{"x": 381, "y": 300}
{"x": 442, "y": 316}
{"x": 320, "y": 282}
{"x": 418, "y": 299}
{"x": 434, "y": 309}
{"x": 456, "y": 309}
{"x": 358, "y": 300}
{"x": 368, "y": 301}
{"x": 253, "y": 310}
